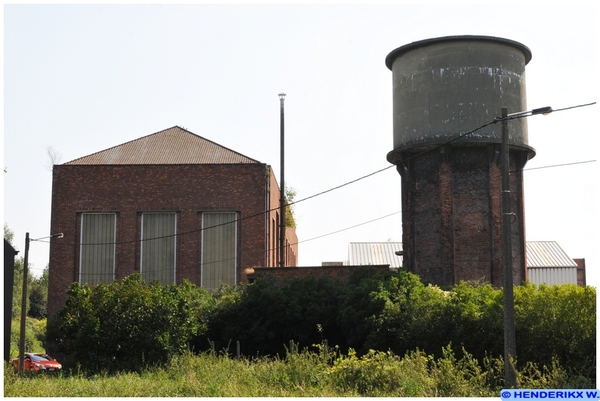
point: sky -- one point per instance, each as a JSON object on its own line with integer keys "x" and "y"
{"x": 82, "y": 78}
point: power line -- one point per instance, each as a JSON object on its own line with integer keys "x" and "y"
{"x": 310, "y": 239}
{"x": 292, "y": 203}
{"x": 327, "y": 234}
{"x": 341, "y": 186}
{"x": 559, "y": 165}
{"x": 574, "y": 107}
{"x": 348, "y": 228}
{"x": 462, "y": 135}
{"x": 277, "y": 248}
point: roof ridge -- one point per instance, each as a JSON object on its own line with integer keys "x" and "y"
{"x": 211, "y": 141}
{"x": 145, "y": 150}
{"x": 121, "y": 144}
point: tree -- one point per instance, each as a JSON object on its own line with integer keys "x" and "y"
{"x": 54, "y": 157}
{"x": 18, "y": 277}
{"x": 290, "y": 195}
{"x": 9, "y": 235}
{"x": 38, "y": 296}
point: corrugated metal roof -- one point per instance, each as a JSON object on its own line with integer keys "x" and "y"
{"x": 174, "y": 145}
{"x": 374, "y": 253}
{"x": 547, "y": 254}
{"x": 540, "y": 254}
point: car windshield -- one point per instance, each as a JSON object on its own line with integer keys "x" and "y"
{"x": 40, "y": 358}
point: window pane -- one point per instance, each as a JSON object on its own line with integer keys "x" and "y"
{"x": 219, "y": 249}
{"x": 97, "y": 251}
{"x": 158, "y": 247}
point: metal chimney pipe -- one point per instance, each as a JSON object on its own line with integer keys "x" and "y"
{"x": 282, "y": 187}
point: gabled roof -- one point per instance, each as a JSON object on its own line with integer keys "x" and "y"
{"x": 547, "y": 254}
{"x": 174, "y": 145}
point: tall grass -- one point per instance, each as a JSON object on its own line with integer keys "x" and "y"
{"x": 304, "y": 373}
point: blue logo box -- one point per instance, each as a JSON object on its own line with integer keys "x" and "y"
{"x": 554, "y": 394}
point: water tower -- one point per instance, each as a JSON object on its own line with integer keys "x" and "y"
{"x": 452, "y": 188}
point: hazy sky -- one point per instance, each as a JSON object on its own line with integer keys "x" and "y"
{"x": 85, "y": 78}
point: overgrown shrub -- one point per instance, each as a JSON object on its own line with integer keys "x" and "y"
{"x": 377, "y": 373}
{"x": 129, "y": 324}
{"x": 364, "y": 300}
{"x": 399, "y": 313}
{"x": 554, "y": 324}
{"x": 268, "y": 314}
{"x": 557, "y": 322}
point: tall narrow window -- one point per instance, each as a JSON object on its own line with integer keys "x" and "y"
{"x": 219, "y": 249}
{"x": 157, "y": 261}
{"x": 97, "y": 249}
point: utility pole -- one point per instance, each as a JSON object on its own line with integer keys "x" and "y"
{"x": 282, "y": 187}
{"x": 510, "y": 346}
{"x": 24, "y": 297}
{"x": 510, "y": 342}
{"x": 23, "y": 306}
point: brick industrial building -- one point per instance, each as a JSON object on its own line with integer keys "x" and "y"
{"x": 451, "y": 186}
{"x": 172, "y": 206}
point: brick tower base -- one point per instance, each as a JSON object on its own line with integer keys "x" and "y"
{"x": 451, "y": 214}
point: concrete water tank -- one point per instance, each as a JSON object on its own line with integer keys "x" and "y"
{"x": 451, "y": 182}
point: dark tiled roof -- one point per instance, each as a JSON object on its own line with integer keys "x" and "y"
{"x": 174, "y": 145}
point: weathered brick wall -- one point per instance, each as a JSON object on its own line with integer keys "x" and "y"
{"x": 581, "y": 279}
{"x": 291, "y": 254}
{"x": 451, "y": 215}
{"x": 130, "y": 190}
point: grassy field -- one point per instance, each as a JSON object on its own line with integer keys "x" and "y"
{"x": 297, "y": 375}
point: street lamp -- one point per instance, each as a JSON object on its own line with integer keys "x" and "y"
{"x": 510, "y": 345}
{"x": 24, "y": 297}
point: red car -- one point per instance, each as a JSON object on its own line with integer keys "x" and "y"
{"x": 37, "y": 363}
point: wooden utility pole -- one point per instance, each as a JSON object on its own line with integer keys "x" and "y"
{"x": 510, "y": 346}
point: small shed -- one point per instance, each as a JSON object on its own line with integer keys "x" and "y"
{"x": 548, "y": 263}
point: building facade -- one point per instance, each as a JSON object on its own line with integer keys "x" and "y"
{"x": 548, "y": 263}
{"x": 171, "y": 206}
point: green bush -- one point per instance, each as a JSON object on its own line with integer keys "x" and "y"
{"x": 266, "y": 315}
{"x": 377, "y": 373}
{"x": 361, "y": 310}
{"x": 557, "y": 322}
{"x": 129, "y": 324}
{"x": 400, "y": 313}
